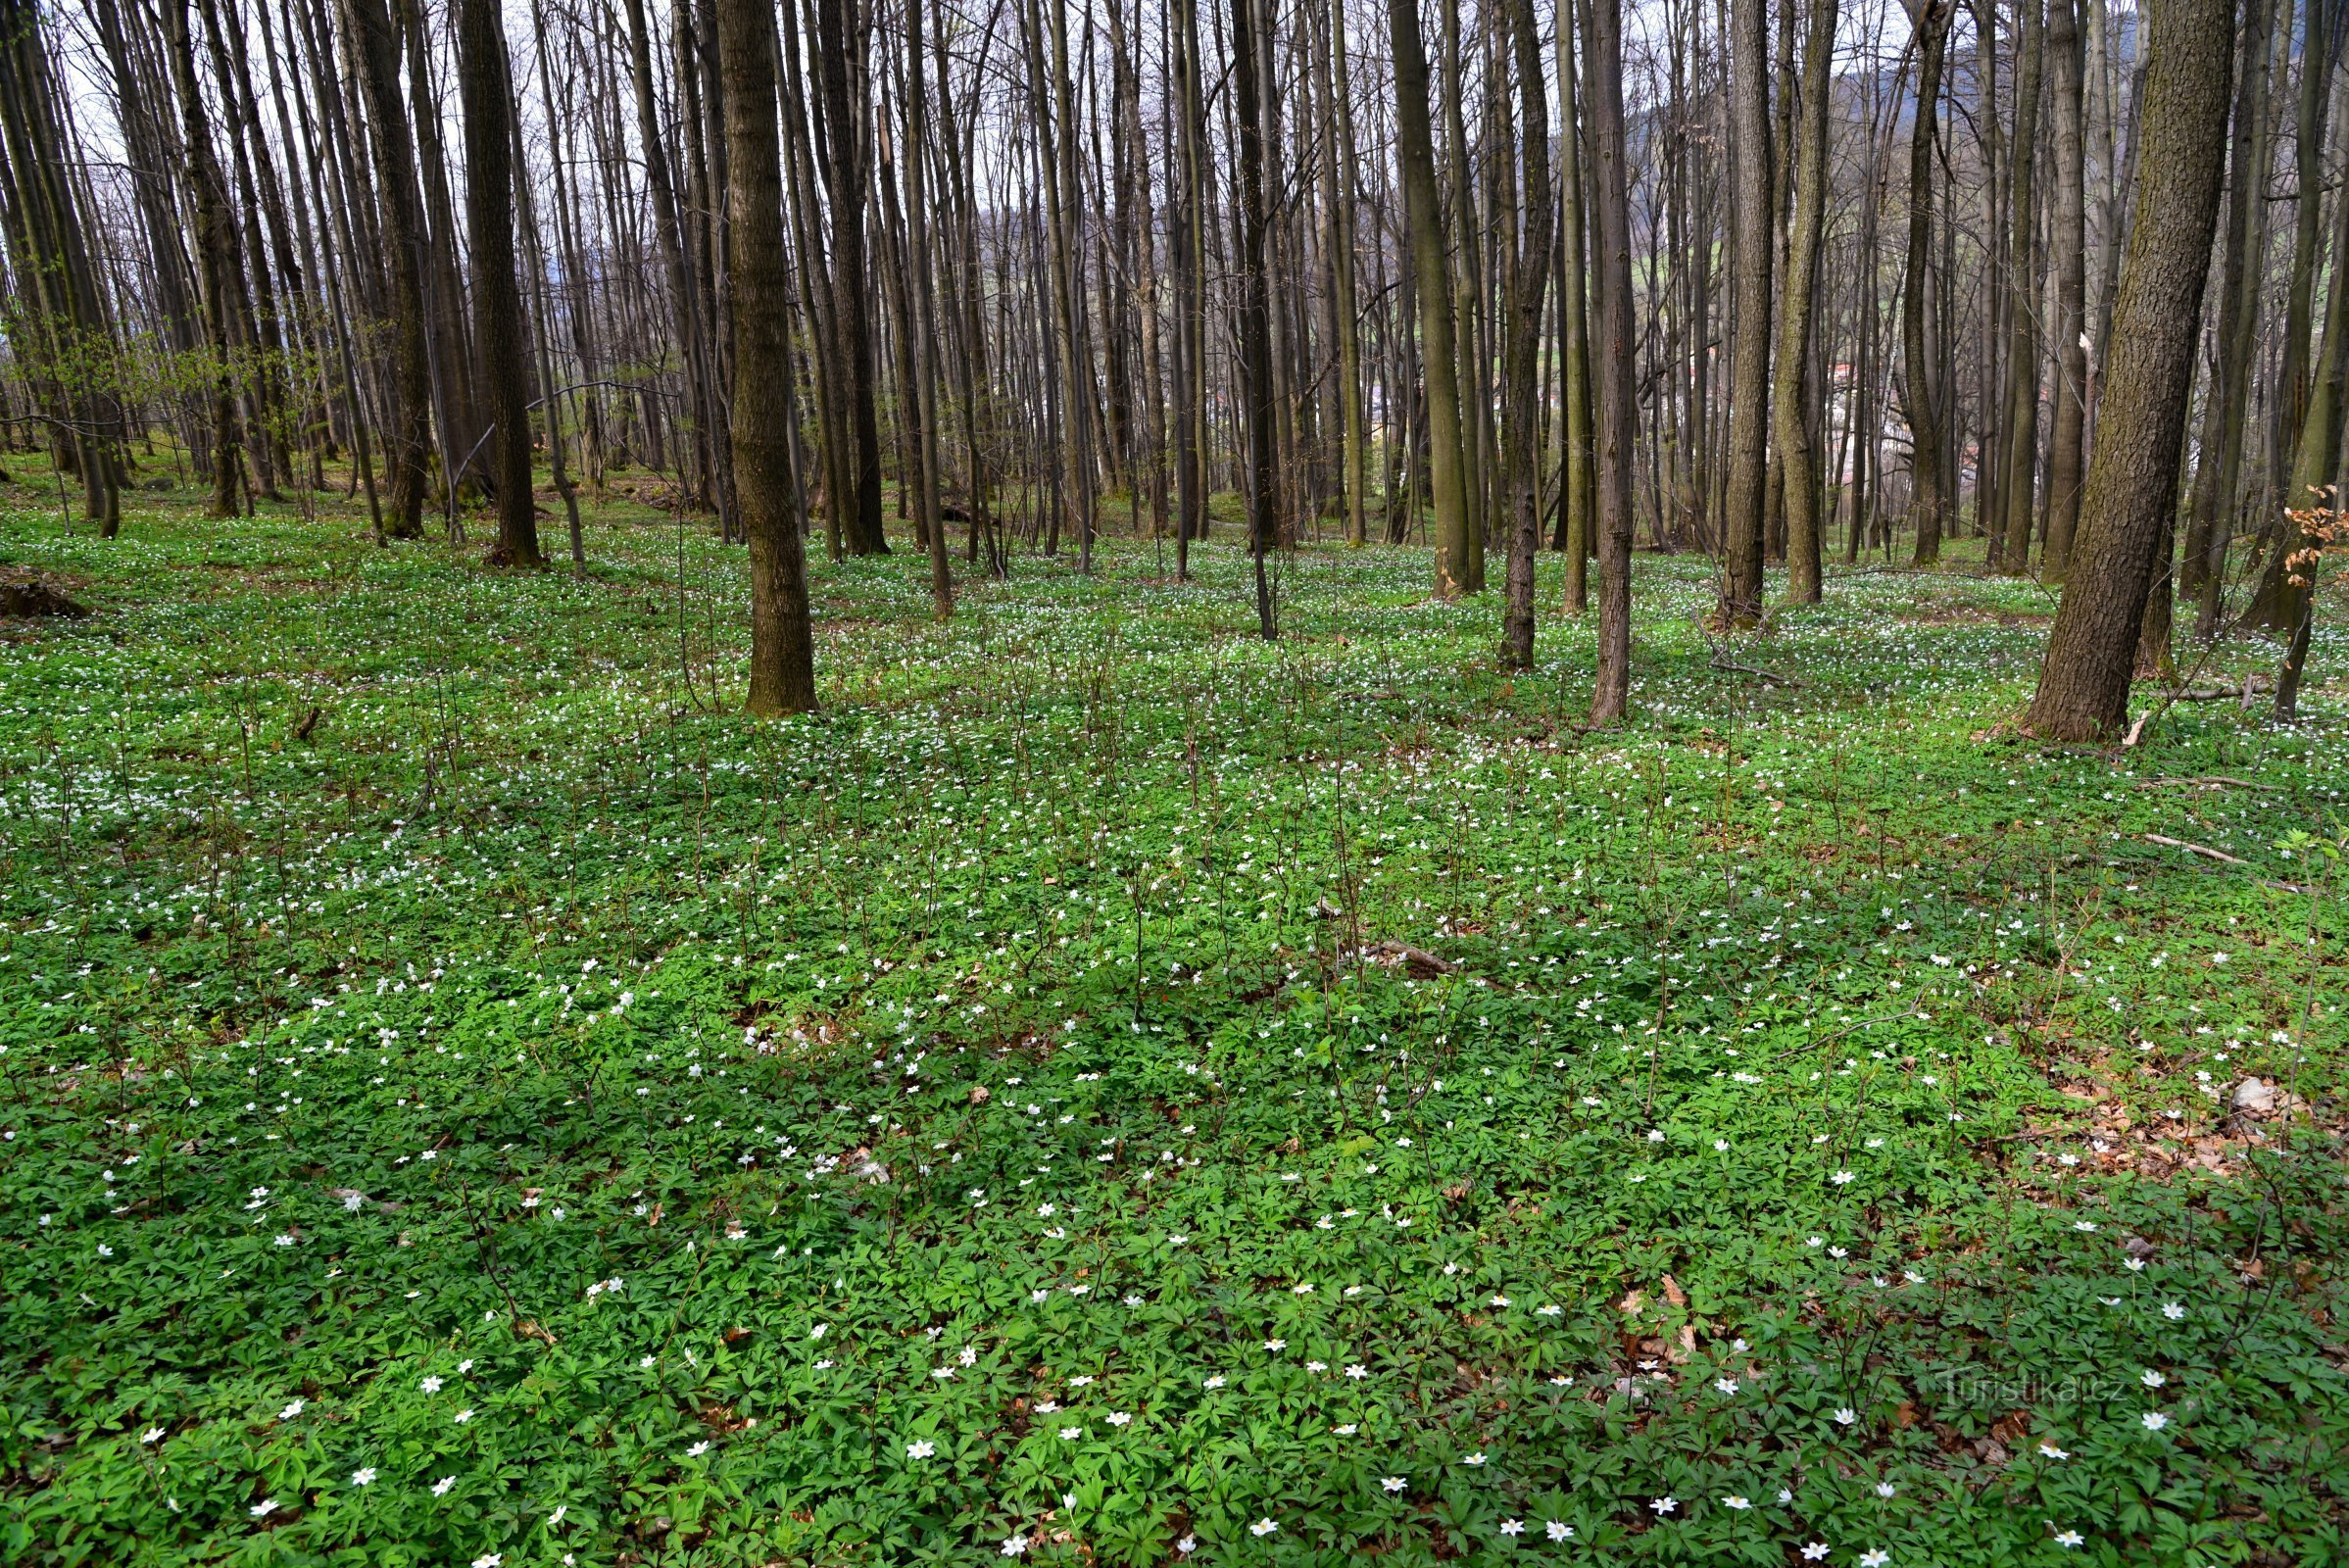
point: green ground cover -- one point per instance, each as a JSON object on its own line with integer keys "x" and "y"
{"x": 1111, "y": 1089}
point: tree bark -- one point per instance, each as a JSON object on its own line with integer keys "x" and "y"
{"x": 1615, "y": 348}
{"x": 1796, "y": 398}
{"x": 485, "y": 86}
{"x": 2132, "y": 476}
{"x": 1920, "y": 393}
{"x": 1529, "y": 280}
{"x": 2018, "y": 484}
{"x": 1415, "y": 153}
{"x": 2067, "y": 452}
{"x": 374, "y": 51}
{"x": 1573, "y": 296}
{"x": 1255, "y": 327}
{"x": 1751, "y": 165}
{"x": 782, "y": 640}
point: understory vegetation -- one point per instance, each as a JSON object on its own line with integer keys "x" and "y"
{"x": 1109, "y": 1088}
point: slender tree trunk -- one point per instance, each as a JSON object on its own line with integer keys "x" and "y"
{"x": 1355, "y": 463}
{"x": 917, "y": 161}
{"x": 837, "y": 34}
{"x": 2218, "y": 468}
{"x": 1191, "y": 445}
{"x": 1574, "y": 295}
{"x": 1415, "y": 153}
{"x": 373, "y": 50}
{"x": 2132, "y": 475}
{"x": 217, "y": 257}
{"x": 2313, "y": 506}
{"x": 2018, "y": 484}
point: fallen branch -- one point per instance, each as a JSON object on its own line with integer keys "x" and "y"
{"x": 2222, "y": 855}
{"x": 2197, "y": 848}
{"x": 1891, "y": 1017}
{"x": 1769, "y": 676}
{"x": 1421, "y": 963}
{"x": 2206, "y": 779}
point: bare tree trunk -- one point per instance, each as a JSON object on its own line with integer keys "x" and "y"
{"x": 1188, "y": 240}
{"x": 2132, "y": 476}
{"x": 2218, "y": 468}
{"x": 1528, "y": 281}
{"x": 1919, "y": 392}
{"x": 373, "y": 50}
{"x": 2018, "y": 484}
{"x": 216, "y": 251}
{"x": 837, "y": 33}
{"x": 926, "y": 352}
{"x": 486, "y": 87}
{"x": 1748, "y": 468}
{"x": 1339, "y": 164}
{"x": 1255, "y": 327}
{"x": 1615, "y": 348}
{"x": 1415, "y": 153}
{"x": 2313, "y": 506}
{"x": 1795, "y": 397}
{"x": 1574, "y": 294}
{"x": 782, "y": 639}
{"x": 2067, "y": 454}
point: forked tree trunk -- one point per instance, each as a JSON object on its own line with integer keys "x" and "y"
{"x": 2133, "y": 477}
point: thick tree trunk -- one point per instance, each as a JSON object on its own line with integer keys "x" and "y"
{"x": 1614, "y": 348}
{"x": 1920, "y": 393}
{"x": 1255, "y": 325}
{"x": 782, "y": 640}
{"x": 2066, "y": 451}
{"x": 2132, "y": 476}
{"x": 1750, "y": 206}
{"x": 1795, "y": 397}
{"x": 486, "y": 88}
{"x": 1528, "y": 277}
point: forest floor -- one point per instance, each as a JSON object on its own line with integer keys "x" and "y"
{"x": 1111, "y": 1089}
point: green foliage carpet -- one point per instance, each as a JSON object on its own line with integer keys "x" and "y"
{"x": 1108, "y": 1088}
